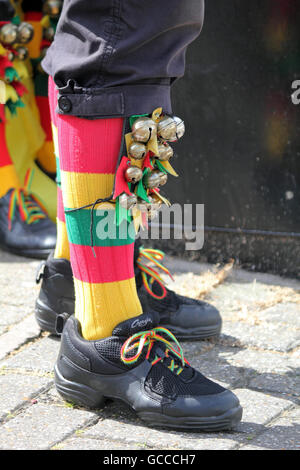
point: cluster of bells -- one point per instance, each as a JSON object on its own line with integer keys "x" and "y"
{"x": 168, "y": 129}
{"x": 52, "y": 9}
{"x": 12, "y": 34}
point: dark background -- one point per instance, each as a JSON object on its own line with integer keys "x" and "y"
{"x": 241, "y": 152}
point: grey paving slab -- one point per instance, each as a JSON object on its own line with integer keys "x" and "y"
{"x": 17, "y": 389}
{"x": 41, "y": 427}
{"x": 12, "y": 314}
{"x": 283, "y": 434}
{"x": 80, "y": 443}
{"x": 263, "y": 370}
{"x": 268, "y": 336}
{"x": 41, "y": 355}
{"x": 22, "y": 332}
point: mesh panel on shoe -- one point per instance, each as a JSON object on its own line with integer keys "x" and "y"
{"x": 110, "y": 349}
{"x": 164, "y": 382}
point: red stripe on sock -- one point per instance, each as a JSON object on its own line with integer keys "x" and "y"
{"x": 89, "y": 146}
{"x": 110, "y": 265}
{"x": 60, "y": 206}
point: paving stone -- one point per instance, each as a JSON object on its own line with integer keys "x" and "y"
{"x": 41, "y": 427}
{"x": 273, "y": 372}
{"x": 80, "y": 443}
{"x": 133, "y": 432}
{"x": 12, "y": 314}
{"x": 277, "y": 384}
{"x": 24, "y": 331}
{"x": 17, "y": 389}
{"x": 284, "y": 313}
{"x": 283, "y": 434}
{"x": 268, "y": 336}
{"x": 41, "y": 355}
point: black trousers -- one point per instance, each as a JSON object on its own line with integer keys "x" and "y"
{"x": 115, "y": 58}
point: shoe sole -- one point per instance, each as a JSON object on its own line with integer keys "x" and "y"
{"x": 83, "y": 395}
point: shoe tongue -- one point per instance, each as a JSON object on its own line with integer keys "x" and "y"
{"x": 143, "y": 322}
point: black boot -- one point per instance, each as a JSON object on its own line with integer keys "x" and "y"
{"x": 157, "y": 383}
{"x": 27, "y": 231}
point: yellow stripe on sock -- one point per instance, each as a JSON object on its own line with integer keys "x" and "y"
{"x": 62, "y": 249}
{"x": 81, "y": 189}
{"x": 55, "y": 139}
{"x": 8, "y": 179}
{"x": 101, "y": 307}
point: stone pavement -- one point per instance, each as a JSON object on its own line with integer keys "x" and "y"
{"x": 257, "y": 356}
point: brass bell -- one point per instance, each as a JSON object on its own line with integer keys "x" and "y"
{"x": 25, "y": 32}
{"x": 127, "y": 201}
{"x": 152, "y": 179}
{"x": 143, "y": 129}
{"x": 163, "y": 178}
{"x": 166, "y": 128}
{"x": 52, "y": 8}
{"x": 180, "y": 128}
{"x": 137, "y": 150}
{"x": 133, "y": 174}
{"x": 8, "y": 34}
{"x": 22, "y": 52}
{"x": 165, "y": 152}
{"x": 48, "y": 34}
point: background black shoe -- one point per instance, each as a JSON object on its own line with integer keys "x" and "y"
{"x": 33, "y": 236}
{"x": 157, "y": 384}
{"x": 186, "y": 318}
{"x": 56, "y": 295}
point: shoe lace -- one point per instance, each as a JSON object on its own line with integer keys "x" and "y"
{"x": 154, "y": 256}
{"x": 146, "y": 339}
{"x": 30, "y": 207}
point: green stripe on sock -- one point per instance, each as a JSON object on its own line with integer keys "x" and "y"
{"x": 58, "y": 174}
{"x": 105, "y": 232}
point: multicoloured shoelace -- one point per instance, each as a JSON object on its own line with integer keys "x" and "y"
{"x": 30, "y": 207}
{"x": 154, "y": 256}
{"x": 147, "y": 338}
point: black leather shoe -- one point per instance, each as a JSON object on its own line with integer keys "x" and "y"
{"x": 157, "y": 382}
{"x": 188, "y": 319}
{"x": 33, "y": 235}
{"x": 56, "y": 295}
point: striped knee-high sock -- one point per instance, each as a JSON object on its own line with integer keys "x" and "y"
{"x": 62, "y": 249}
{"x": 105, "y": 289}
{"x": 8, "y": 175}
